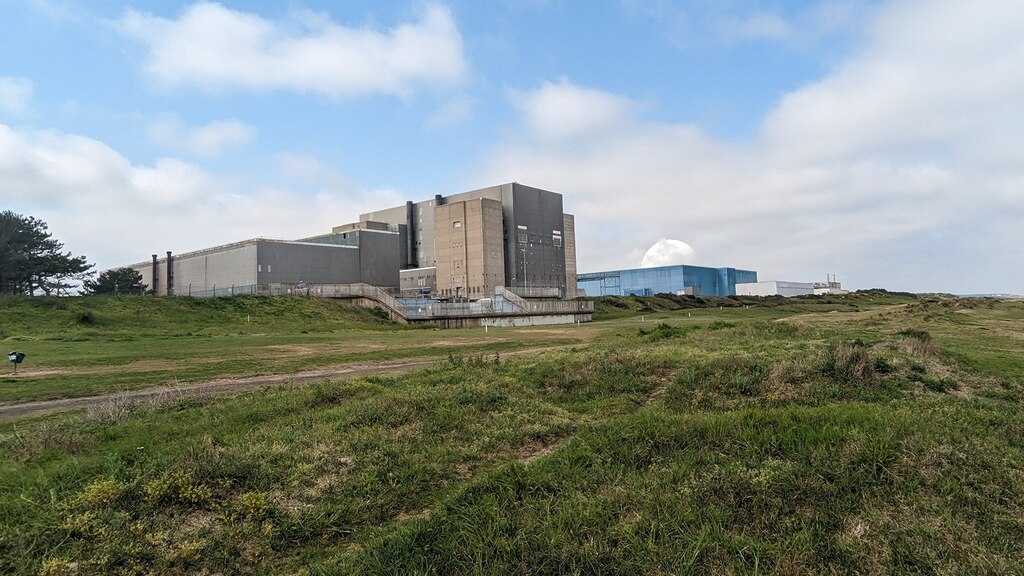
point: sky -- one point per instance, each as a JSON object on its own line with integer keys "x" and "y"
{"x": 880, "y": 141}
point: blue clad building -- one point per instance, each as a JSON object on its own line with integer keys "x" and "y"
{"x": 681, "y": 279}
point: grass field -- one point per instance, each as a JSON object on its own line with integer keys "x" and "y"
{"x": 86, "y": 346}
{"x": 872, "y": 434}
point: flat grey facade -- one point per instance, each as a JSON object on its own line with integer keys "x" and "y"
{"x": 363, "y": 256}
{"x": 464, "y": 245}
{"x": 538, "y": 241}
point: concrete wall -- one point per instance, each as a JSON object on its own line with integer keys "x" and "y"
{"x": 468, "y": 247}
{"x": 538, "y": 211}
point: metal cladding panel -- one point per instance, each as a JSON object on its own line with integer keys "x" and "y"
{"x": 774, "y": 288}
{"x": 537, "y": 214}
{"x": 394, "y": 216}
{"x": 669, "y": 279}
{"x": 287, "y": 262}
{"x": 746, "y": 276}
{"x": 705, "y": 281}
{"x": 235, "y": 266}
{"x": 491, "y": 193}
{"x": 380, "y": 258}
{"x": 350, "y": 238}
{"x": 147, "y": 275}
{"x": 569, "y": 233}
{"x": 421, "y": 281}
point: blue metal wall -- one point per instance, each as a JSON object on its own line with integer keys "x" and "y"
{"x": 670, "y": 279}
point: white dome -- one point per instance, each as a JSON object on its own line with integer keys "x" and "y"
{"x": 668, "y": 252}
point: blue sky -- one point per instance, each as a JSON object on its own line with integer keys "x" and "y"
{"x": 873, "y": 140}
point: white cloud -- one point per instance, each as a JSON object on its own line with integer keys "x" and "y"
{"x": 214, "y": 47}
{"x": 758, "y": 26}
{"x": 562, "y": 110}
{"x": 15, "y": 94}
{"x": 452, "y": 113}
{"x": 899, "y": 168}
{"x": 734, "y": 22}
{"x": 208, "y": 141}
{"x": 100, "y": 204}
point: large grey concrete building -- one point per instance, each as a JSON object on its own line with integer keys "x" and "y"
{"x": 463, "y": 245}
{"x": 531, "y": 247}
{"x": 361, "y": 256}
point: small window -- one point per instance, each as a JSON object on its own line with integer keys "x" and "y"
{"x": 457, "y": 224}
{"x": 268, "y": 267}
{"x": 259, "y": 267}
{"x": 522, "y": 238}
{"x": 558, "y": 241}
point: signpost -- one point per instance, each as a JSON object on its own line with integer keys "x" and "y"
{"x": 17, "y": 358}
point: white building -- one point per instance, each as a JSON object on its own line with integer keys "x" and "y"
{"x": 782, "y": 288}
{"x": 775, "y": 288}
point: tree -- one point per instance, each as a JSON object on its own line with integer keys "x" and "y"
{"x": 116, "y": 281}
{"x": 31, "y": 260}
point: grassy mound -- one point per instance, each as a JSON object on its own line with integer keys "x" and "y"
{"x": 815, "y": 444}
{"x": 112, "y": 317}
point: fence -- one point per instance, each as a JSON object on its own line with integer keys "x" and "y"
{"x": 503, "y": 303}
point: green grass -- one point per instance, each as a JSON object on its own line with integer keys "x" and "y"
{"x": 135, "y": 342}
{"x": 729, "y": 441}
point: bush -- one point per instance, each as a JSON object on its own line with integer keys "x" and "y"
{"x": 709, "y": 384}
{"x": 720, "y": 325}
{"x": 848, "y": 364}
{"x": 86, "y": 317}
{"x": 921, "y": 335}
{"x": 662, "y": 332}
{"x": 940, "y": 385}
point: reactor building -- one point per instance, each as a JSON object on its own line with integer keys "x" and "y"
{"x": 461, "y": 246}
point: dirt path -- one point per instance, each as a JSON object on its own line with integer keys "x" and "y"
{"x": 225, "y": 385}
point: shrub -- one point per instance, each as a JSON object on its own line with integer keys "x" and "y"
{"x": 663, "y": 331}
{"x": 708, "y": 384}
{"x": 86, "y": 317}
{"x": 100, "y": 493}
{"x": 935, "y": 384}
{"x": 720, "y": 325}
{"x": 179, "y": 487}
{"x": 918, "y": 342}
{"x": 848, "y": 364}
{"x": 883, "y": 365}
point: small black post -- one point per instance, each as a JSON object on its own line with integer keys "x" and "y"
{"x": 16, "y": 358}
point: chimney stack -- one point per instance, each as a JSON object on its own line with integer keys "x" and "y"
{"x": 170, "y": 274}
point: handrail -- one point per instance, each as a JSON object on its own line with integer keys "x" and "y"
{"x": 510, "y": 296}
{"x": 504, "y": 303}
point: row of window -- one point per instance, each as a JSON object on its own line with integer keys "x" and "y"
{"x": 556, "y": 241}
